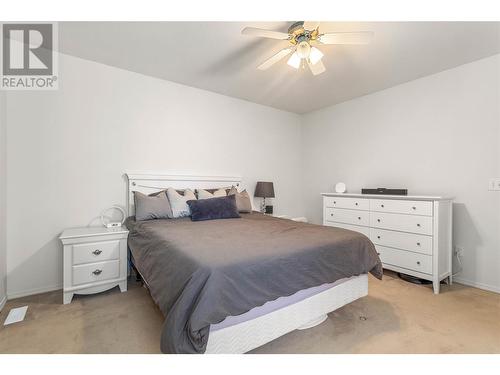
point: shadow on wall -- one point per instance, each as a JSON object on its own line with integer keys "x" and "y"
{"x": 46, "y": 259}
{"x": 239, "y": 59}
{"x": 466, "y": 237}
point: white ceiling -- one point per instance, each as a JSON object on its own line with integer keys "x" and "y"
{"x": 215, "y": 56}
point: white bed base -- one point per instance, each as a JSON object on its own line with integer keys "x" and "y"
{"x": 304, "y": 314}
{"x": 251, "y": 334}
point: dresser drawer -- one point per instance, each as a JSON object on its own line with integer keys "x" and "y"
{"x": 401, "y": 206}
{"x": 349, "y": 203}
{"x": 405, "y": 259}
{"x": 91, "y": 273}
{"x": 404, "y": 223}
{"x": 347, "y": 216}
{"x": 95, "y": 252}
{"x": 355, "y": 228}
{"x": 407, "y": 241}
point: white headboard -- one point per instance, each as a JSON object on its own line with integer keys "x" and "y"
{"x": 150, "y": 182}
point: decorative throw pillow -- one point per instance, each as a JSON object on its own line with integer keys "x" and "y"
{"x": 178, "y": 202}
{"x": 205, "y": 194}
{"x": 214, "y": 208}
{"x": 243, "y": 200}
{"x": 153, "y": 206}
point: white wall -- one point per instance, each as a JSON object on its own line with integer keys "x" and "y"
{"x": 3, "y": 199}
{"x": 69, "y": 148}
{"x": 436, "y": 135}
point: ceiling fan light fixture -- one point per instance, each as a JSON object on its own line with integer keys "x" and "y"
{"x": 301, "y": 37}
{"x": 303, "y": 49}
{"x": 294, "y": 60}
{"x": 315, "y": 55}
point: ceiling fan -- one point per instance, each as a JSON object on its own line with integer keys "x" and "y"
{"x": 303, "y": 38}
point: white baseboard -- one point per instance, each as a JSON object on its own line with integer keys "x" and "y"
{"x": 3, "y": 302}
{"x": 475, "y": 284}
{"x": 30, "y": 292}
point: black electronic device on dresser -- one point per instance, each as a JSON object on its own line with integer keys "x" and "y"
{"x": 384, "y": 191}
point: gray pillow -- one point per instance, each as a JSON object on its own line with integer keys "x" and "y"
{"x": 243, "y": 202}
{"x": 178, "y": 202}
{"x": 150, "y": 207}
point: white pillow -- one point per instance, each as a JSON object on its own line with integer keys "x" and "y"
{"x": 178, "y": 202}
{"x": 203, "y": 194}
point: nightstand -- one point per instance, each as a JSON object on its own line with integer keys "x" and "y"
{"x": 95, "y": 260}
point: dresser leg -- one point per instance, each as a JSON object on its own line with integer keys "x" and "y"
{"x": 450, "y": 280}
{"x": 435, "y": 286}
{"x": 67, "y": 297}
{"x": 123, "y": 286}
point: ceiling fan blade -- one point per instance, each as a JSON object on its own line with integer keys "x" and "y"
{"x": 361, "y": 37}
{"x": 311, "y": 25}
{"x": 317, "y": 68}
{"x": 275, "y": 58}
{"x": 253, "y": 31}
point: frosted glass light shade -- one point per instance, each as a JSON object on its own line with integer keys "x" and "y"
{"x": 303, "y": 50}
{"x": 315, "y": 55}
{"x": 294, "y": 60}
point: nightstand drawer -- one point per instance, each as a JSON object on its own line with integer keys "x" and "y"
{"x": 91, "y": 273}
{"x": 96, "y": 252}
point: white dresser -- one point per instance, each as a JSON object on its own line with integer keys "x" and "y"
{"x": 412, "y": 234}
{"x": 95, "y": 259}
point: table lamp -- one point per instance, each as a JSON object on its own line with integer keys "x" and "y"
{"x": 265, "y": 190}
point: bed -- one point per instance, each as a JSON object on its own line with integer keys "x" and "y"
{"x": 229, "y": 286}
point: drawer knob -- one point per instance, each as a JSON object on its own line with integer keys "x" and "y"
{"x": 378, "y": 220}
{"x": 334, "y": 202}
{"x": 97, "y": 272}
{"x": 359, "y": 217}
{"x": 418, "y": 243}
{"x": 378, "y": 237}
{"x": 331, "y": 214}
{"x": 414, "y": 208}
{"x": 382, "y": 205}
{"x": 356, "y": 203}
{"x": 96, "y": 252}
{"x": 418, "y": 263}
{"x": 418, "y": 225}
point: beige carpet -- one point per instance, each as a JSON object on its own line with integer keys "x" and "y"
{"x": 396, "y": 317}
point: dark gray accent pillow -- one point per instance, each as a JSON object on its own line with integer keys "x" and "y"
{"x": 213, "y": 208}
{"x": 153, "y": 206}
{"x": 243, "y": 202}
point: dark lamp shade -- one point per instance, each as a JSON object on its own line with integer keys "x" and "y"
{"x": 264, "y": 190}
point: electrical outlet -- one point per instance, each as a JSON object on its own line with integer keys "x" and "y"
{"x": 494, "y": 184}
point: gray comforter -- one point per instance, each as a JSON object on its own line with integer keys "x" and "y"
{"x": 201, "y": 272}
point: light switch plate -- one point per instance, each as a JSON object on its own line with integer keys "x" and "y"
{"x": 494, "y": 184}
